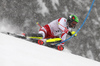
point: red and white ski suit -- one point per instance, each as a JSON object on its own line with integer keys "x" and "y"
{"x": 56, "y": 28}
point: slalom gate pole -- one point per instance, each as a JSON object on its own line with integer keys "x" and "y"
{"x": 80, "y": 26}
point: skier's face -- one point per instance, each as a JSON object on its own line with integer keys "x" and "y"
{"x": 73, "y": 24}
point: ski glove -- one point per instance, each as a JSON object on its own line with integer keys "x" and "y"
{"x": 72, "y": 33}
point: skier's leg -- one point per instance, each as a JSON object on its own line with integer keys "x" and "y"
{"x": 38, "y": 38}
{"x": 52, "y": 41}
{"x": 42, "y": 33}
{"x": 34, "y": 35}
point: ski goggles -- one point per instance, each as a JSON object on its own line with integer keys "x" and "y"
{"x": 73, "y": 24}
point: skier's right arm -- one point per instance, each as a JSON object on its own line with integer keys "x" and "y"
{"x": 62, "y": 26}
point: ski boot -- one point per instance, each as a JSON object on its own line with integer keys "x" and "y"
{"x": 60, "y": 47}
{"x": 38, "y": 41}
{"x": 52, "y": 45}
{"x": 52, "y": 42}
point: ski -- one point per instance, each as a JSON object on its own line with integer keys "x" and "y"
{"x": 46, "y": 42}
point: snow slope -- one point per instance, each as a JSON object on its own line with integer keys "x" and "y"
{"x": 18, "y": 52}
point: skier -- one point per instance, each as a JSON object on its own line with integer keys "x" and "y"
{"x": 59, "y": 28}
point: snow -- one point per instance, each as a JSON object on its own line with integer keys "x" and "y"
{"x": 19, "y": 52}
{"x": 65, "y": 12}
{"x": 43, "y": 9}
{"x": 90, "y": 54}
{"x": 87, "y": 8}
{"x": 80, "y": 2}
{"x": 6, "y": 22}
{"x": 98, "y": 17}
{"x": 97, "y": 44}
{"x": 54, "y": 3}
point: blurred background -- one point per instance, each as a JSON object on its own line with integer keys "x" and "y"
{"x": 20, "y": 16}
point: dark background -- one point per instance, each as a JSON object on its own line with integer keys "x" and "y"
{"x": 20, "y": 16}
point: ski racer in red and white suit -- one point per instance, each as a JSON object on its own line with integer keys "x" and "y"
{"x": 59, "y": 27}
{"x": 55, "y": 28}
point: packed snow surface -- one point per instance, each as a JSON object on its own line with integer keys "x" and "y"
{"x": 19, "y": 52}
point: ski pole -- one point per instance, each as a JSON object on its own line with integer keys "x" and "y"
{"x": 38, "y": 25}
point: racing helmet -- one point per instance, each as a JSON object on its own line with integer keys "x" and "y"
{"x": 72, "y": 20}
